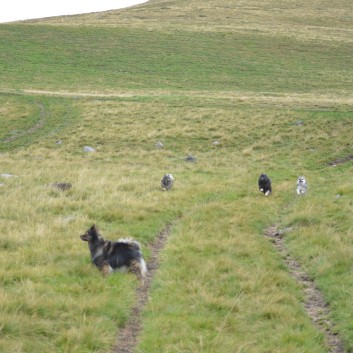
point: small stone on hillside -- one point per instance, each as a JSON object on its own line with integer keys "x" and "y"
{"x": 59, "y": 142}
{"x": 6, "y": 175}
{"x": 61, "y": 186}
{"x": 299, "y": 123}
{"x": 159, "y": 145}
{"x": 88, "y": 149}
{"x": 216, "y": 143}
{"x": 68, "y": 219}
{"x": 191, "y": 159}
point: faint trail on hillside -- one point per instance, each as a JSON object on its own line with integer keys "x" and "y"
{"x": 32, "y": 130}
{"x": 314, "y": 101}
{"x": 127, "y": 338}
{"x": 315, "y": 305}
{"x": 341, "y": 160}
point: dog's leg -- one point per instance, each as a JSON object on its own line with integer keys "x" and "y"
{"x": 105, "y": 269}
{"x": 135, "y": 268}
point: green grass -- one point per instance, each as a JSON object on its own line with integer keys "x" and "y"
{"x": 110, "y": 59}
{"x": 121, "y": 81}
{"x": 229, "y": 289}
{"x": 25, "y": 119}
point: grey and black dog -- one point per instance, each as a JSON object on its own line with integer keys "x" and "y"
{"x": 265, "y": 184}
{"x": 109, "y": 256}
{"x": 167, "y": 182}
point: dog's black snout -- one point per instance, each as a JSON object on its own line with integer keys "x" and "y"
{"x": 83, "y": 237}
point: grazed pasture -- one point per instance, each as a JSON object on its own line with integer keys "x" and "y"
{"x": 270, "y": 82}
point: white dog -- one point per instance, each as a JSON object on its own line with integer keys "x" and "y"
{"x": 302, "y": 186}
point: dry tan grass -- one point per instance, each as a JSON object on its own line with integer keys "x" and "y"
{"x": 289, "y": 100}
{"x": 221, "y": 286}
{"x": 304, "y": 20}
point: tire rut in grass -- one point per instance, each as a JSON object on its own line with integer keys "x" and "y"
{"x": 341, "y": 160}
{"x": 128, "y": 335}
{"x": 315, "y": 305}
{"x": 33, "y": 129}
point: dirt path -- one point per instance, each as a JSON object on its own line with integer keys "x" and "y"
{"x": 128, "y": 335}
{"x": 341, "y": 160}
{"x": 314, "y": 101}
{"x": 315, "y": 305}
{"x": 33, "y": 129}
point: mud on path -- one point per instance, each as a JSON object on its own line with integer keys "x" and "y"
{"x": 314, "y": 304}
{"x": 127, "y": 337}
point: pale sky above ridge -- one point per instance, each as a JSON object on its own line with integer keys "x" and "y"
{"x": 15, "y": 10}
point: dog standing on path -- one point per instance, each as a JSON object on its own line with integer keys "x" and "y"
{"x": 109, "y": 256}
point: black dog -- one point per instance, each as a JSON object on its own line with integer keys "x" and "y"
{"x": 265, "y": 184}
{"x": 122, "y": 255}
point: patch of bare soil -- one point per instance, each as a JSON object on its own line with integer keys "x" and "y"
{"x": 128, "y": 335}
{"x": 341, "y": 160}
{"x": 315, "y": 305}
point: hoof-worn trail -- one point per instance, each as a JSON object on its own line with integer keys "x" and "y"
{"x": 315, "y": 305}
{"x": 127, "y": 337}
{"x": 33, "y": 129}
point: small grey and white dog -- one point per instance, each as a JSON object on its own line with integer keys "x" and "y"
{"x": 302, "y": 186}
{"x": 167, "y": 182}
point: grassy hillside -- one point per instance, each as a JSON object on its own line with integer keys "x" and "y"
{"x": 270, "y": 81}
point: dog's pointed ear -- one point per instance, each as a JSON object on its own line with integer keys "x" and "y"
{"x": 94, "y": 228}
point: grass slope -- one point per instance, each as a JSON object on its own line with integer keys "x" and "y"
{"x": 201, "y": 72}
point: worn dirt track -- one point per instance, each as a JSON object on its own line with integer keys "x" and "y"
{"x": 315, "y": 305}
{"x": 127, "y": 338}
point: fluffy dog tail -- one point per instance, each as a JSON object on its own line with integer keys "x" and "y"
{"x": 143, "y": 268}
{"x": 131, "y": 242}
{"x": 138, "y": 265}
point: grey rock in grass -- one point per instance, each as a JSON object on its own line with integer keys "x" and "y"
{"x": 7, "y": 176}
{"x": 67, "y": 219}
{"x": 88, "y": 149}
{"x": 159, "y": 145}
{"x": 61, "y": 186}
{"x": 191, "y": 159}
